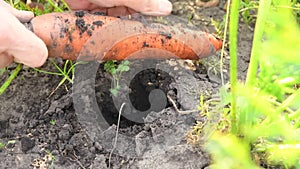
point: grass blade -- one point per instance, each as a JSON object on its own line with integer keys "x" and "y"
{"x": 13, "y": 75}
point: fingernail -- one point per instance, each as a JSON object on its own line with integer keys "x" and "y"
{"x": 165, "y": 7}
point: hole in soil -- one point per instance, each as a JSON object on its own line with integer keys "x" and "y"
{"x": 106, "y": 104}
{"x": 145, "y": 82}
{"x": 141, "y": 87}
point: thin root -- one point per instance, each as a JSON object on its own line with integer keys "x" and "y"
{"x": 116, "y": 137}
{"x": 180, "y": 111}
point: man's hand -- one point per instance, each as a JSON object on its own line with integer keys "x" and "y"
{"x": 16, "y": 42}
{"x": 123, "y": 7}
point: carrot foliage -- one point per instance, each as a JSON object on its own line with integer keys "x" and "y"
{"x": 261, "y": 126}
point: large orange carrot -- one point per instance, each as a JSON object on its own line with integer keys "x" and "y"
{"x": 97, "y": 37}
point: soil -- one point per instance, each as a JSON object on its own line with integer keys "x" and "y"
{"x": 76, "y": 126}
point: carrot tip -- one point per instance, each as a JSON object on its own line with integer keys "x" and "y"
{"x": 217, "y": 43}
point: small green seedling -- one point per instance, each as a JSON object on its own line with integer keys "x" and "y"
{"x": 67, "y": 72}
{"x": 219, "y": 26}
{"x": 2, "y": 145}
{"x": 50, "y": 157}
{"x": 52, "y": 122}
{"x": 12, "y": 76}
{"x": 116, "y": 71}
{"x": 248, "y": 9}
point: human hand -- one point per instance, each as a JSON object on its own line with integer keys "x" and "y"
{"x": 123, "y": 7}
{"x": 16, "y": 42}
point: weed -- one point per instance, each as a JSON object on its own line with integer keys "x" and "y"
{"x": 219, "y": 27}
{"x": 8, "y": 81}
{"x": 46, "y": 162}
{"x": 116, "y": 71}
{"x": 258, "y": 123}
{"x": 50, "y": 156}
{"x": 67, "y": 72}
{"x": 2, "y": 145}
{"x": 212, "y": 65}
{"x": 52, "y": 122}
{"x": 248, "y": 10}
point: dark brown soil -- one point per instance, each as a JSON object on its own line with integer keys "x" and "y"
{"x": 76, "y": 126}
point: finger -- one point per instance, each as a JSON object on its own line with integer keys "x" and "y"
{"x": 102, "y": 3}
{"x": 116, "y": 11}
{"x": 28, "y": 49}
{"x": 147, "y": 7}
{"x": 120, "y": 11}
{"x": 81, "y": 5}
{"x": 23, "y": 16}
{"x": 19, "y": 42}
{"x": 5, "y": 60}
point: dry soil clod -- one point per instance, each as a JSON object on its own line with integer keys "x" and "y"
{"x": 206, "y": 4}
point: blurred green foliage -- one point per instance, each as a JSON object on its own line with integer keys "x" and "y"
{"x": 40, "y": 7}
{"x": 248, "y": 9}
{"x": 268, "y": 112}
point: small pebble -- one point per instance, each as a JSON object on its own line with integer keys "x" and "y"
{"x": 98, "y": 146}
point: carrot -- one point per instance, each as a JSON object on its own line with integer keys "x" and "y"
{"x": 85, "y": 36}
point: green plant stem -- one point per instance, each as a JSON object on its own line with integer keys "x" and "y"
{"x": 10, "y": 78}
{"x": 263, "y": 9}
{"x": 233, "y": 30}
{"x": 224, "y": 41}
{"x": 55, "y": 6}
{"x": 46, "y": 72}
{"x": 278, "y": 104}
{"x": 66, "y": 5}
{"x": 286, "y": 103}
{"x": 63, "y": 71}
{"x": 248, "y": 8}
